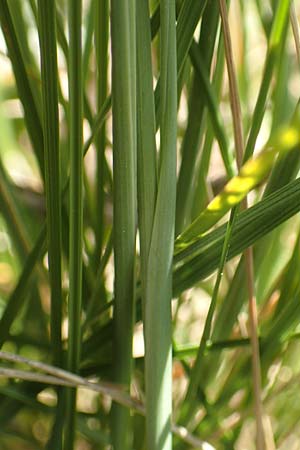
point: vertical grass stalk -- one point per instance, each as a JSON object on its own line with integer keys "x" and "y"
{"x": 49, "y": 76}
{"x": 146, "y": 146}
{"x": 101, "y": 43}
{"x": 76, "y": 208}
{"x": 159, "y": 275}
{"x": 123, "y": 48}
{"x": 47, "y": 37}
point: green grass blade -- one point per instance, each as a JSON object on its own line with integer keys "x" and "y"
{"x": 47, "y": 30}
{"x": 146, "y": 155}
{"x": 101, "y": 44}
{"x": 213, "y": 108}
{"x": 189, "y": 16}
{"x": 76, "y": 208}
{"x": 49, "y": 76}
{"x": 250, "y": 175}
{"x": 200, "y": 195}
{"x": 123, "y": 28}
{"x": 195, "y": 124}
{"x": 159, "y": 280}
{"x": 200, "y": 259}
{"x": 275, "y": 41}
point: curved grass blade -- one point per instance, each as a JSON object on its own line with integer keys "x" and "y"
{"x": 253, "y": 171}
{"x": 200, "y": 259}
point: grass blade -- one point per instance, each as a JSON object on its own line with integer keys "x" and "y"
{"x": 158, "y": 362}
{"x": 253, "y": 171}
{"x": 47, "y": 30}
{"x": 76, "y": 209}
{"x": 124, "y": 222}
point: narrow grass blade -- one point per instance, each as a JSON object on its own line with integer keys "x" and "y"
{"x": 101, "y": 44}
{"x": 200, "y": 259}
{"x": 193, "y": 132}
{"x": 146, "y": 146}
{"x": 238, "y": 187}
{"x": 275, "y": 41}
{"x": 76, "y": 209}
{"x": 123, "y": 42}
{"x": 189, "y": 16}
{"x": 49, "y": 76}
{"x": 47, "y": 30}
{"x": 159, "y": 276}
{"x": 213, "y": 108}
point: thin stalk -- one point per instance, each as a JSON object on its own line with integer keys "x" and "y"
{"x": 238, "y": 138}
{"x": 76, "y": 209}
{"x": 123, "y": 46}
{"x": 101, "y": 43}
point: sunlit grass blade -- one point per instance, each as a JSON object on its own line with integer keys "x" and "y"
{"x": 202, "y": 257}
{"x": 123, "y": 42}
{"x": 238, "y": 187}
